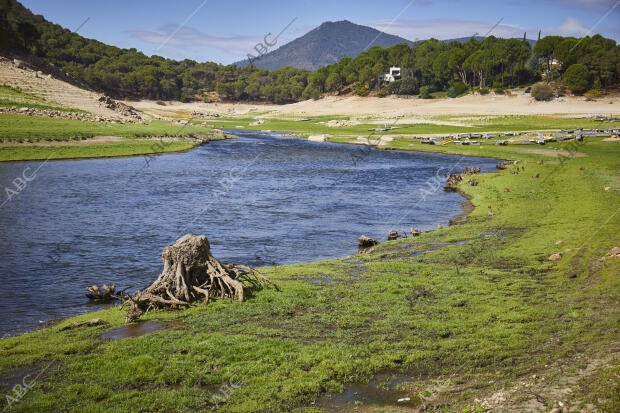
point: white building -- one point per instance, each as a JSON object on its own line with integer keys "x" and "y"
{"x": 392, "y": 76}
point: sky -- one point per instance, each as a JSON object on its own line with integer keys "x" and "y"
{"x": 226, "y": 31}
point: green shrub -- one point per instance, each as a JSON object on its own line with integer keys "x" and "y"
{"x": 596, "y": 91}
{"x": 499, "y": 91}
{"x": 360, "y": 89}
{"x": 484, "y": 91}
{"x": 457, "y": 89}
{"x": 577, "y": 78}
{"x": 425, "y": 92}
{"x": 407, "y": 86}
{"x": 542, "y": 92}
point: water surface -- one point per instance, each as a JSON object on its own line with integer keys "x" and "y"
{"x": 260, "y": 199}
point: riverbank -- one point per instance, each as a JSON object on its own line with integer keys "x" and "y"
{"x": 465, "y": 318}
{"x": 39, "y": 138}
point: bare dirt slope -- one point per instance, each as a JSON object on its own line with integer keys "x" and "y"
{"x": 392, "y": 107}
{"x": 53, "y": 90}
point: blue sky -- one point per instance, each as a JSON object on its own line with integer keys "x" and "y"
{"x": 225, "y": 31}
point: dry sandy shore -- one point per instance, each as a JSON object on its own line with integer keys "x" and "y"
{"x": 391, "y": 107}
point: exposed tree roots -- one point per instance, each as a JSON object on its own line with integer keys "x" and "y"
{"x": 192, "y": 274}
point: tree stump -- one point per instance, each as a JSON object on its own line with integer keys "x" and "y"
{"x": 192, "y": 274}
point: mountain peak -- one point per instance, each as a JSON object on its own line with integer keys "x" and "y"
{"x": 324, "y": 45}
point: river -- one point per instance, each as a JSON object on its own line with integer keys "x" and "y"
{"x": 261, "y": 199}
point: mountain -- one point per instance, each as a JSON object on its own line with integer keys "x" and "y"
{"x": 324, "y": 45}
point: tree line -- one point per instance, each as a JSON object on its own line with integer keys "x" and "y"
{"x": 429, "y": 66}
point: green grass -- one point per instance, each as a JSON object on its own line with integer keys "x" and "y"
{"x": 474, "y": 123}
{"x": 10, "y": 97}
{"x": 452, "y": 325}
{"x": 128, "y": 147}
{"x": 15, "y": 127}
{"x": 30, "y": 137}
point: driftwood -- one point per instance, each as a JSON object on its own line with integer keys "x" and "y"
{"x": 89, "y": 323}
{"x": 104, "y": 294}
{"x": 192, "y": 274}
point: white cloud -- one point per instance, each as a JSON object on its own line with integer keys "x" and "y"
{"x": 443, "y": 29}
{"x": 173, "y": 36}
{"x": 571, "y": 27}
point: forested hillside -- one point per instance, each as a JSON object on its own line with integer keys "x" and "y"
{"x": 587, "y": 64}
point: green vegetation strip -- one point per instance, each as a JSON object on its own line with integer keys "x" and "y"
{"x": 16, "y": 127}
{"x": 127, "y": 147}
{"x": 452, "y": 316}
{"x": 14, "y": 97}
{"x": 471, "y": 124}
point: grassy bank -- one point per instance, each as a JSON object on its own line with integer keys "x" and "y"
{"x": 19, "y": 128}
{"x": 31, "y": 137}
{"x": 458, "y": 319}
{"x": 125, "y": 147}
{"x": 431, "y": 125}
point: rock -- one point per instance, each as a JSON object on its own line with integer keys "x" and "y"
{"x": 559, "y": 242}
{"x": 613, "y": 253}
{"x": 607, "y": 188}
{"x": 472, "y": 182}
{"x": 506, "y": 189}
{"x": 452, "y": 182}
{"x": 415, "y": 232}
{"x": 340, "y": 123}
{"x": 317, "y": 138}
{"x": 471, "y": 171}
{"x": 392, "y": 235}
{"x": 364, "y": 242}
{"x": 536, "y": 176}
{"x": 555, "y": 257}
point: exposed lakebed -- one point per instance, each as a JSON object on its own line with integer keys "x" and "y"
{"x": 261, "y": 199}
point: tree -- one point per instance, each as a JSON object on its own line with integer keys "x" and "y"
{"x": 456, "y": 58}
{"x": 577, "y": 78}
{"x": 479, "y": 63}
{"x": 29, "y": 34}
{"x": 545, "y": 49}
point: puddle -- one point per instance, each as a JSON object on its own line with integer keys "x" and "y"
{"x": 381, "y": 391}
{"x": 141, "y": 329}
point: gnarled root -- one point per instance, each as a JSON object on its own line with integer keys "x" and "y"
{"x": 192, "y": 274}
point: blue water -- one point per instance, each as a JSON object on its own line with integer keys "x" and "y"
{"x": 261, "y": 199}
